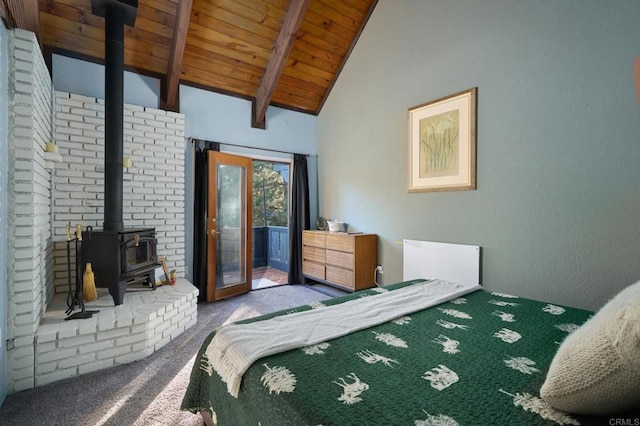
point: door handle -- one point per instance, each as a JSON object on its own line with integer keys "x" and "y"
{"x": 213, "y": 231}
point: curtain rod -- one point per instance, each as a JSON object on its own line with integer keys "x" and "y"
{"x": 195, "y": 140}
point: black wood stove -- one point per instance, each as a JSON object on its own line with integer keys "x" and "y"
{"x": 121, "y": 258}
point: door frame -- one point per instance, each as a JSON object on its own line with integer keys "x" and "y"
{"x": 250, "y": 155}
{"x": 213, "y": 292}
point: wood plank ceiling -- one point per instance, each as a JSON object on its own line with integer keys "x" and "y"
{"x": 286, "y": 53}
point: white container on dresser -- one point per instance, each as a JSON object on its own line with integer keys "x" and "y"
{"x": 340, "y": 259}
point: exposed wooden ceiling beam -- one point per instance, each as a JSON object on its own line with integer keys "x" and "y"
{"x": 24, "y": 14}
{"x": 281, "y": 49}
{"x": 183, "y": 15}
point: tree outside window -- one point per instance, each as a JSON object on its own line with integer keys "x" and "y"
{"x": 270, "y": 194}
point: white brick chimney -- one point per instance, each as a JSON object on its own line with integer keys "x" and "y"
{"x": 30, "y": 244}
{"x": 44, "y": 196}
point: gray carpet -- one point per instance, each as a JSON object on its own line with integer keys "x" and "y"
{"x": 147, "y": 392}
{"x": 326, "y": 289}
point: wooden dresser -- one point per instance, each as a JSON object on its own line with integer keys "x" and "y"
{"x": 344, "y": 260}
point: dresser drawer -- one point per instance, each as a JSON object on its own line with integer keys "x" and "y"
{"x": 339, "y": 258}
{"x": 340, "y": 276}
{"x": 313, "y": 253}
{"x": 313, "y": 269}
{"x": 315, "y": 239}
{"x": 340, "y": 243}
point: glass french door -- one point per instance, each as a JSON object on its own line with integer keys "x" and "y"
{"x": 229, "y": 226}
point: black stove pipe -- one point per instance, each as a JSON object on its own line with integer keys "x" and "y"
{"x": 113, "y": 117}
{"x": 117, "y": 14}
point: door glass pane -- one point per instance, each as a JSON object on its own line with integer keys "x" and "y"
{"x": 231, "y": 227}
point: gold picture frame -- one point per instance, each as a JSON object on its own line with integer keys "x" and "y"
{"x": 442, "y": 144}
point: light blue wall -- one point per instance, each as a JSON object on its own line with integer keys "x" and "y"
{"x": 225, "y": 119}
{"x": 3, "y": 209}
{"x": 222, "y": 118}
{"x": 558, "y": 200}
{"x": 87, "y": 79}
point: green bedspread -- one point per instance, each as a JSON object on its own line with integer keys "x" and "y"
{"x": 476, "y": 360}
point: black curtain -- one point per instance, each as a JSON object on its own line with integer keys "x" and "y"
{"x": 300, "y": 217}
{"x": 201, "y": 149}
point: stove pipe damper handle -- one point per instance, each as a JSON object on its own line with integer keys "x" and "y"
{"x": 117, "y": 13}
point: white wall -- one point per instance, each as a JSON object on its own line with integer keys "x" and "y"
{"x": 556, "y": 209}
{"x": 3, "y": 208}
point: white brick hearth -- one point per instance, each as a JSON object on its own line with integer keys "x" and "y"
{"x": 145, "y": 322}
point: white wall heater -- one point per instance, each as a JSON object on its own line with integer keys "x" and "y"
{"x": 458, "y": 263}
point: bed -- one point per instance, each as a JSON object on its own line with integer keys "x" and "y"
{"x": 468, "y": 356}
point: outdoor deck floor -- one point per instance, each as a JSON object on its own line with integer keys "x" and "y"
{"x": 269, "y": 274}
{"x": 275, "y": 275}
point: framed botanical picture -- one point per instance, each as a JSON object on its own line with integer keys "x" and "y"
{"x": 442, "y": 144}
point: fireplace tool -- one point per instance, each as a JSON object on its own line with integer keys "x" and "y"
{"x": 89, "y": 292}
{"x": 75, "y": 297}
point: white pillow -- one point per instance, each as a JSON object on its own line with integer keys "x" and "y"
{"x": 597, "y": 368}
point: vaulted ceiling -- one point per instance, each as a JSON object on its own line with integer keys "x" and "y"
{"x": 286, "y": 53}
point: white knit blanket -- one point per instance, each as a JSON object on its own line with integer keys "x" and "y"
{"x": 236, "y": 346}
